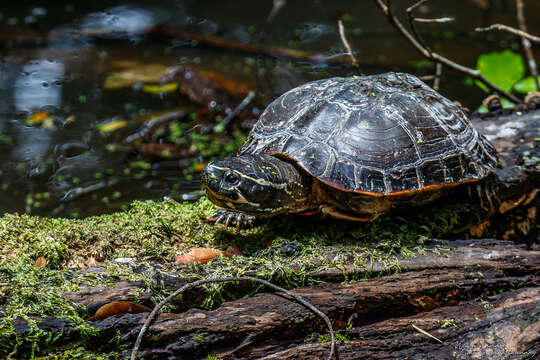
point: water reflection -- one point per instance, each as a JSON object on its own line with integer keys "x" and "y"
{"x": 121, "y": 21}
{"x": 39, "y": 84}
{"x": 58, "y": 58}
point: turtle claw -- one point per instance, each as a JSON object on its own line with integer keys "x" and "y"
{"x": 232, "y": 218}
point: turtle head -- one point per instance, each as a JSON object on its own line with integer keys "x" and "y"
{"x": 260, "y": 185}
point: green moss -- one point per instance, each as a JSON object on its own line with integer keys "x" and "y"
{"x": 80, "y": 353}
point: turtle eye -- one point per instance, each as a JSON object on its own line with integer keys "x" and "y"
{"x": 232, "y": 178}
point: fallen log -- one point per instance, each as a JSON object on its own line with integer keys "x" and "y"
{"x": 267, "y": 323}
{"x": 481, "y": 253}
{"x": 505, "y": 326}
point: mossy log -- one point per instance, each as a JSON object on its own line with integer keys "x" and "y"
{"x": 484, "y": 289}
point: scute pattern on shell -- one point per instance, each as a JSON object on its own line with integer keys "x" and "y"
{"x": 379, "y": 134}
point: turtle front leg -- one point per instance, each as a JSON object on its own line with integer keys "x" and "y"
{"x": 334, "y": 213}
{"x": 232, "y": 218}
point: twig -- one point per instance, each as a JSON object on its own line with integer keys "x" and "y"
{"x": 425, "y": 333}
{"x": 414, "y": 6}
{"x": 299, "y": 299}
{"x": 526, "y": 44}
{"x": 437, "y": 80}
{"x": 150, "y": 127}
{"x": 223, "y": 123}
{"x": 427, "y": 77}
{"x": 438, "y": 58}
{"x": 276, "y": 6}
{"x": 438, "y": 20}
{"x": 410, "y": 17}
{"x": 511, "y": 30}
{"x": 346, "y": 43}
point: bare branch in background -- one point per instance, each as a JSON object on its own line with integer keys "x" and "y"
{"x": 276, "y": 6}
{"x": 438, "y": 73}
{"x": 511, "y": 30}
{"x": 346, "y": 44}
{"x": 433, "y": 56}
{"x": 526, "y": 44}
{"x": 439, "y": 20}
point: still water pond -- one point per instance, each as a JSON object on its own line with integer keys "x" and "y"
{"x": 103, "y": 103}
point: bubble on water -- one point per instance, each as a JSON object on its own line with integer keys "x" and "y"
{"x": 39, "y": 11}
{"x": 30, "y": 19}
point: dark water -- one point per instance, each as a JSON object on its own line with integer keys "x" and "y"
{"x": 56, "y": 58}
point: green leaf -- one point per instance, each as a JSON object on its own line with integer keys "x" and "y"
{"x": 526, "y": 85}
{"x": 503, "y": 69}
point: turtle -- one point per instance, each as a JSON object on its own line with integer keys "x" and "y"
{"x": 349, "y": 148}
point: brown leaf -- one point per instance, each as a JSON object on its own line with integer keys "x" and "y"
{"x": 200, "y": 255}
{"x": 40, "y": 262}
{"x": 229, "y": 85}
{"x": 423, "y": 303}
{"x": 117, "y": 308}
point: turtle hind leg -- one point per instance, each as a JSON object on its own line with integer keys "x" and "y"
{"x": 334, "y": 213}
{"x": 232, "y": 219}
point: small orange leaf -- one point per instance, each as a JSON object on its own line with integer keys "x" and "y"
{"x": 117, "y": 308}
{"x": 37, "y": 118}
{"x": 200, "y": 255}
{"x": 200, "y": 166}
{"x": 40, "y": 262}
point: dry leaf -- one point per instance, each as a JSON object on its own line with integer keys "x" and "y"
{"x": 112, "y": 126}
{"x": 229, "y": 85}
{"x": 37, "y": 118}
{"x": 117, "y": 308}
{"x": 160, "y": 89}
{"x": 200, "y": 255}
{"x": 135, "y": 74}
{"x": 40, "y": 262}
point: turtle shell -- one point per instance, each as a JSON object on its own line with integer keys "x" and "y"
{"x": 379, "y": 134}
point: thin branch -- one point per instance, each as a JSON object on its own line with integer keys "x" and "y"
{"x": 276, "y": 6}
{"x": 232, "y": 114}
{"x": 438, "y": 58}
{"x": 425, "y": 333}
{"x": 439, "y": 20}
{"x": 416, "y": 5}
{"x": 410, "y": 17}
{"x": 346, "y": 44}
{"x": 437, "y": 80}
{"x": 511, "y": 30}
{"x": 526, "y": 44}
{"x": 427, "y": 77}
{"x": 299, "y": 299}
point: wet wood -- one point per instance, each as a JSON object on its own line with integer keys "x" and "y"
{"x": 502, "y": 327}
{"x": 454, "y": 286}
{"x": 503, "y": 255}
{"x": 515, "y": 134}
